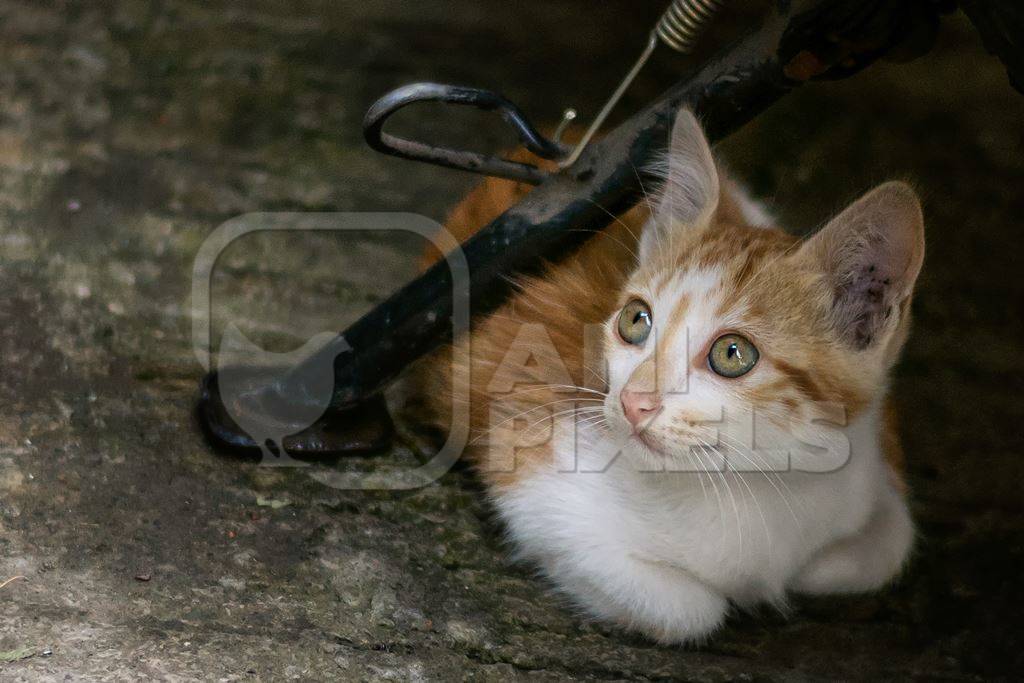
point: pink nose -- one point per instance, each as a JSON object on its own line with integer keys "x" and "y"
{"x": 639, "y": 405}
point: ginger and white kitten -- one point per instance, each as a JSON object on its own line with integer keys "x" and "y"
{"x": 697, "y": 418}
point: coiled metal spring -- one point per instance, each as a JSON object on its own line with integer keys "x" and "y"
{"x": 679, "y": 28}
{"x": 683, "y": 22}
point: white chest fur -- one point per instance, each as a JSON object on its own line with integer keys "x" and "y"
{"x": 666, "y": 552}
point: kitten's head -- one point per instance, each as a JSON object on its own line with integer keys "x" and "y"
{"x": 722, "y": 318}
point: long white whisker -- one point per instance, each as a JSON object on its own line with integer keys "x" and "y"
{"x": 714, "y": 484}
{"x": 629, "y": 249}
{"x": 618, "y": 220}
{"x": 732, "y": 498}
{"x": 654, "y": 215}
{"x": 749, "y": 455}
{"x": 551, "y": 417}
{"x": 522, "y": 414}
{"x": 545, "y": 387}
{"x": 753, "y": 496}
{"x": 700, "y": 475}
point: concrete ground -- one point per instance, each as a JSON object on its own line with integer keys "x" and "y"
{"x": 130, "y": 130}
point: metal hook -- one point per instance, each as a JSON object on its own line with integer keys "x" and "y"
{"x": 382, "y": 109}
{"x": 678, "y": 27}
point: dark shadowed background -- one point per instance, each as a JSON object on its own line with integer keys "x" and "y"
{"x": 130, "y": 130}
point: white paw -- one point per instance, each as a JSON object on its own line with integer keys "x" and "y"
{"x": 663, "y": 602}
{"x": 838, "y": 571}
{"x": 863, "y": 562}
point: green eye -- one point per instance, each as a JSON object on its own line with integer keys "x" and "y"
{"x": 732, "y": 355}
{"x": 635, "y": 322}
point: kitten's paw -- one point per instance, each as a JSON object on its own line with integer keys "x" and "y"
{"x": 866, "y": 561}
{"x": 702, "y": 615}
{"x": 663, "y": 602}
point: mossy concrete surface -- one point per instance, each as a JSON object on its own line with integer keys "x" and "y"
{"x": 129, "y": 131}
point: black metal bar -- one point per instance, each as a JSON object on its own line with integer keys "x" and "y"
{"x": 802, "y": 39}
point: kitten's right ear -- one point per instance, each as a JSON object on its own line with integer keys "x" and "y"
{"x": 871, "y": 254}
{"x": 691, "y": 191}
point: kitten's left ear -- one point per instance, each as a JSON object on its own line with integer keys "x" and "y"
{"x": 871, "y": 254}
{"x": 690, "y": 195}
